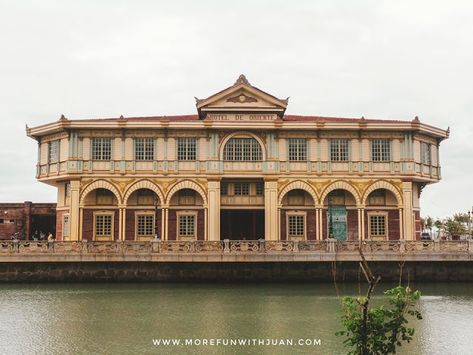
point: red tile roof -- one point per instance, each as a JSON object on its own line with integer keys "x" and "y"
{"x": 294, "y": 118}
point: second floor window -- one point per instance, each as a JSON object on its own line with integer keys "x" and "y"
{"x": 144, "y": 148}
{"x": 380, "y": 150}
{"x": 242, "y": 188}
{"x": 53, "y": 152}
{"x": 186, "y": 149}
{"x": 101, "y": 148}
{"x": 339, "y": 150}
{"x": 425, "y": 151}
{"x": 297, "y": 149}
{"x": 242, "y": 149}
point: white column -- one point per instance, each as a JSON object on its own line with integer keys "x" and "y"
{"x": 401, "y": 234}
{"x": 363, "y": 232}
{"x": 163, "y": 222}
{"x": 279, "y": 222}
{"x": 122, "y": 222}
{"x": 166, "y": 226}
{"x": 361, "y": 222}
{"x": 408, "y": 211}
{"x": 74, "y": 211}
{"x": 206, "y": 223}
{"x": 318, "y": 222}
{"x": 214, "y": 210}
{"x": 271, "y": 210}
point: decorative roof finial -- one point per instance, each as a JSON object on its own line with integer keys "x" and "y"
{"x": 363, "y": 117}
{"x": 122, "y": 118}
{"x": 242, "y": 80}
{"x": 63, "y": 118}
{"x": 416, "y": 119}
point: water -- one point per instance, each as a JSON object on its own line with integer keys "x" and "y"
{"x": 125, "y": 318}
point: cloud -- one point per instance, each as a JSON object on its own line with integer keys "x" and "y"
{"x": 380, "y": 59}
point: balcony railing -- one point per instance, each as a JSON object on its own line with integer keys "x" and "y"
{"x": 235, "y": 247}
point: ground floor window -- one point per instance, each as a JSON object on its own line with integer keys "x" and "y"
{"x": 65, "y": 226}
{"x": 103, "y": 225}
{"x": 378, "y": 225}
{"x": 296, "y": 226}
{"x": 186, "y": 225}
{"x": 144, "y": 225}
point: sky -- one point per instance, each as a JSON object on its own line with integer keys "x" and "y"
{"x": 377, "y": 59}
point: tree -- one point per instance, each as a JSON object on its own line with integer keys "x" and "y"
{"x": 454, "y": 226}
{"x": 378, "y": 330}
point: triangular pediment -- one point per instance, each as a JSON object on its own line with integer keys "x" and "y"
{"x": 241, "y": 98}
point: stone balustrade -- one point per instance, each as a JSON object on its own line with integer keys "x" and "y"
{"x": 234, "y": 250}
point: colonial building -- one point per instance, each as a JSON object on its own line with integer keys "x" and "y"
{"x": 27, "y": 219}
{"x": 241, "y": 168}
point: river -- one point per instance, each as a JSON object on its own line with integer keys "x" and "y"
{"x": 125, "y": 318}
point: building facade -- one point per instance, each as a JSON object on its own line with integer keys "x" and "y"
{"x": 27, "y": 220}
{"x": 241, "y": 168}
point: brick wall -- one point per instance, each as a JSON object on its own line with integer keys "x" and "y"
{"x": 311, "y": 225}
{"x": 172, "y": 220}
{"x": 393, "y": 223}
{"x": 88, "y": 224}
{"x": 352, "y": 225}
{"x": 172, "y": 224}
{"x": 59, "y": 220}
{"x": 200, "y": 225}
{"x": 130, "y": 225}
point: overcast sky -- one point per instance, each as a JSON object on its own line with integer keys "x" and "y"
{"x": 378, "y": 59}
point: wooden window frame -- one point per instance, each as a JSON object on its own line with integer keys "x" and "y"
{"x": 386, "y": 224}
{"x": 186, "y": 213}
{"x": 145, "y": 213}
{"x": 296, "y": 213}
{"x": 64, "y": 217}
{"x": 101, "y": 237}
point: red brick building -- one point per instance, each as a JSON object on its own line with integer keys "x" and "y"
{"x": 26, "y": 218}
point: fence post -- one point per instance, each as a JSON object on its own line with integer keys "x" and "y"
{"x": 261, "y": 245}
{"x": 331, "y": 245}
{"x": 156, "y": 245}
{"x": 226, "y": 245}
{"x": 402, "y": 246}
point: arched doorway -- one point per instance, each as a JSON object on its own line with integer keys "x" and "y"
{"x": 100, "y": 215}
{"x": 382, "y": 215}
{"x": 186, "y": 215}
{"x": 297, "y": 216}
{"x": 143, "y": 215}
{"x": 341, "y": 216}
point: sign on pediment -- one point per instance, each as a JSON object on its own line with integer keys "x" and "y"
{"x": 241, "y": 102}
{"x": 241, "y": 117}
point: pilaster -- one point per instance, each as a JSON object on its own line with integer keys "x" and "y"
{"x": 74, "y": 211}
{"x": 408, "y": 230}
{"x": 214, "y": 210}
{"x": 271, "y": 210}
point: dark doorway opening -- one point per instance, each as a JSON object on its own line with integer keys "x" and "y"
{"x": 242, "y": 224}
{"x": 43, "y": 223}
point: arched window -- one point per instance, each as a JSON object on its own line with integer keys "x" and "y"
{"x": 243, "y": 149}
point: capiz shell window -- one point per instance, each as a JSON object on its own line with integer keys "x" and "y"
{"x": 242, "y": 149}
{"x": 101, "y": 148}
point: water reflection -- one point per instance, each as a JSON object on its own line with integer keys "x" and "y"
{"x": 124, "y": 318}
